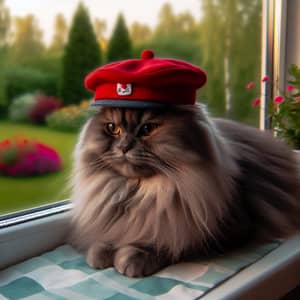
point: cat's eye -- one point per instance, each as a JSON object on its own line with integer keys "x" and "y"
{"x": 147, "y": 129}
{"x": 113, "y": 129}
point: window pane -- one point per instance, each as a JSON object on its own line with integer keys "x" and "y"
{"x": 46, "y": 51}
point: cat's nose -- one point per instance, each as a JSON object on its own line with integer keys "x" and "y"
{"x": 126, "y": 144}
{"x": 125, "y": 148}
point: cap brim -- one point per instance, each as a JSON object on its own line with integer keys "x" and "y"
{"x": 128, "y": 103}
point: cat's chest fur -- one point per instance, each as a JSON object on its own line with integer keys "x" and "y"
{"x": 124, "y": 211}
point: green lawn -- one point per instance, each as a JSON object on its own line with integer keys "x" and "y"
{"x": 20, "y": 193}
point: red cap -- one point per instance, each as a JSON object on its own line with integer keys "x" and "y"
{"x": 145, "y": 82}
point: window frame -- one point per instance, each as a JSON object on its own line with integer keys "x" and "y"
{"x": 273, "y": 39}
{"x": 31, "y": 232}
{"x": 34, "y": 213}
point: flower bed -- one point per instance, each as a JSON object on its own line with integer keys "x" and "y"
{"x": 70, "y": 118}
{"x": 43, "y": 107}
{"x": 21, "y": 157}
{"x": 32, "y": 108}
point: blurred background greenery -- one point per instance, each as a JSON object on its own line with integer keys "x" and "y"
{"x": 224, "y": 41}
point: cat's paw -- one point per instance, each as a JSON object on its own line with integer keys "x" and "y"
{"x": 100, "y": 256}
{"x": 135, "y": 262}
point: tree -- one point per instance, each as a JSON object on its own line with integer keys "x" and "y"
{"x": 60, "y": 34}
{"x": 230, "y": 42}
{"x": 100, "y": 28}
{"x": 176, "y": 35}
{"x": 140, "y": 33}
{"x": 119, "y": 46}
{"x": 27, "y": 40}
{"x": 167, "y": 20}
{"x": 5, "y": 22}
{"x": 82, "y": 55}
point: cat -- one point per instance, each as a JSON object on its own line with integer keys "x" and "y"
{"x": 152, "y": 187}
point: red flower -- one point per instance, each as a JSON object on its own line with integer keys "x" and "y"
{"x": 297, "y": 98}
{"x": 256, "y": 102}
{"x": 23, "y": 157}
{"x": 289, "y": 88}
{"x": 250, "y": 85}
{"x": 265, "y": 78}
{"x": 278, "y": 99}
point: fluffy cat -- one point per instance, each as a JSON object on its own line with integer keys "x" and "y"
{"x": 152, "y": 187}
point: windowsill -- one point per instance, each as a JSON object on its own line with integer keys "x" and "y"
{"x": 34, "y": 213}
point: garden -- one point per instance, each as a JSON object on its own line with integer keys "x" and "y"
{"x": 18, "y": 192}
{"x": 36, "y": 144}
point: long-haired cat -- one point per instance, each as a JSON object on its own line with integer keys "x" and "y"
{"x": 152, "y": 187}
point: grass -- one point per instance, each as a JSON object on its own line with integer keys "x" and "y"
{"x": 20, "y": 193}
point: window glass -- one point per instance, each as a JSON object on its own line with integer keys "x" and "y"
{"x": 46, "y": 51}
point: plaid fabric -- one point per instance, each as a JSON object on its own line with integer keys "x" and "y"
{"x": 64, "y": 274}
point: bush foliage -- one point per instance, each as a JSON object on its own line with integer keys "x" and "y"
{"x": 21, "y": 107}
{"x": 23, "y": 80}
{"x": 70, "y": 118}
{"x": 44, "y": 106}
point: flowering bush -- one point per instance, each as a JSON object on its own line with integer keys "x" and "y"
{"x": 284, "y": 110}
{"x": 21, "y": 107}
{"x": 20, "y": 157}
{"x": 44, "y": 106}
{"x": 70, "y": 118}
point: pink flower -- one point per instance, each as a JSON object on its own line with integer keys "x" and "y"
{"x": 265, "y": 78}
{"x": 278, "y": 99}
{"x": 250, "y": 85}
{"x": 297, "y": 98}
{"x": 289, "y": 88}
{"x": 32, "y": 160}
{"x": 256, "y": 102}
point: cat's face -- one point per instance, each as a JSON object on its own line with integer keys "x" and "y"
{"x": 140, "y": 142}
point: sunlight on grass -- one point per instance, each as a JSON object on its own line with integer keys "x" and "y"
{"x": 20, "y": 193}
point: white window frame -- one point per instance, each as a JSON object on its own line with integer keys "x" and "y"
{"x": 29, "y": 233}
{"x": 273, "y": 41}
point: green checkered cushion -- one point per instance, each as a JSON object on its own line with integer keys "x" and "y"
{"x": 64, "y": 274}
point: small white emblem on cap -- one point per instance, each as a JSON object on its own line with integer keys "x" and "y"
{"x": 124, "y": 89}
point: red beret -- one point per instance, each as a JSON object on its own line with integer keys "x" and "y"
{"x": 145, "y": 82}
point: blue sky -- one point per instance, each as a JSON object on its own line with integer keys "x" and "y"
{"x": 133, "y": 10}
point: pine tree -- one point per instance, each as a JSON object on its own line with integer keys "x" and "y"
{"x": 82, "y": 55}
{"x": 119, "y": 46}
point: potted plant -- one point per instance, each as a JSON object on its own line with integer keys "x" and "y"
{"x": 284, "y": 110}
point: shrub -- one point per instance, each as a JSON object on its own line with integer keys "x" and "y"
{"x": 21, "y": 107}
{"x": 24, "y": 157}
{"x": 70, "y": 118}
{"x": 23, "y": 80}
{"x": 44, "y": 106}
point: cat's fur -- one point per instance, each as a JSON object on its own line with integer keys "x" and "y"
{"x": 194, "y": 186}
